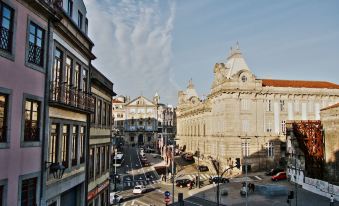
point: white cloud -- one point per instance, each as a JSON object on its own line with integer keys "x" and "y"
{"x": 133, "y": 42}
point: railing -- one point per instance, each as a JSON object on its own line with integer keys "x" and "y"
{"x": 65, "y": 94}
{"x": 56, "y": 4}
{"x": 35, "y": 54}
{"x": 5, "y": 39}
{"x": 3, "y": 137}
{"x": 31, "y": 132}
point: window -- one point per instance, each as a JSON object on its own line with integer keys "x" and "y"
{"x": 243, "y": 78}
{"x": 75, "y": 145}
{"x": 107, "y": 157}
{"x": 149, "y": 138}
{"x": 76, "y": 83}
{"x": 84, "y": 80}
{"x": 245, "y": 125}
{"x": 79, "y": 19}
{"x": 93, "y": 114}
{"x": 68, "y": 77}
{"x": 131, "y": 138}
{"x": 97, "y": 169}
{"x": 28, "y": 192}
{"x": 1, "y": 194}
{"x": 64, "y": 148}
{"x": 109, "y": 112}
{"x": 270, "y": 147}
{"x": 3, "y": 117}
{"x": 36, "y": 44}
{"x": 53, "y": 144}
{"x": 269, "y": 105}
{"x": 282, "y": 105}
{"x": 91, "y": 163}
{"x": 104, "y": 120}
{"x": 58, "y": 58}
{"x": 245, "y": 149}
{"x": 70, "y": 8}
{"x": 32, "y": 120}
{"x": 82, "y": 144}
{"x": 103, "y": 159}
{"x": 268, "y": 126}
{"x": 244, "y": 104}
{"x": 86, "y": 26}
{"x": 6, "y": 27}
{"x": 283, "y": 127}
{"x": 99, "y": 110}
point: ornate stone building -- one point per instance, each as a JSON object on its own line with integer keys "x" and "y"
{"x": 246, "y": 116}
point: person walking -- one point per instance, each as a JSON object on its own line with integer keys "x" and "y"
{"x": 331, "y": 200}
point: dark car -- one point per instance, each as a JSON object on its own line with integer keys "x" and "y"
{"x": 188, "y": 156}
{"x": 274, "y": 171}
{"x": 202, "y": 168}
{"x": 217, "y": 179}
{"x": 183, "y": 182}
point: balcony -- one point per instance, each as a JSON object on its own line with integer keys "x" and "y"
{"x": 55, "y": 4}
{"x": 62, "y": 94}
{"x": 5, "y": 39}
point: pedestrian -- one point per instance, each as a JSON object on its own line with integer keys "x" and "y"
{"x": 331, "y": 200}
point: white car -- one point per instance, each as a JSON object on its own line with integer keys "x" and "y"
{"x": 139, "y": 189}
{"x": 115, "y": 198}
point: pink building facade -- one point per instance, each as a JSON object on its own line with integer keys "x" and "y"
{"x": 23, "y": 63}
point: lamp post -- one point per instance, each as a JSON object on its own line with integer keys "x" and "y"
{"x": 115, "y": 168}
{"x": 198, "y": 182}
{"x": 173, "y": 172}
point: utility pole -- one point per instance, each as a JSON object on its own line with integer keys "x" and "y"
{"x": 246, "y": 153}
{"x": 218, "y": 183}
{"x": 295, "y": 179}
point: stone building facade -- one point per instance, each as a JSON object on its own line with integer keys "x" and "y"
{"x": 141, "y": 125}
{"x": 244, "y": 116}
{"x": 330, "y": 122}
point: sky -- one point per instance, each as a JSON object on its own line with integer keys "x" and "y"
{"x": 153, "y": 46}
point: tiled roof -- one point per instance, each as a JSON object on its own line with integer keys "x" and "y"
{"x": 117, "y": 101}
{"x": 330, "y": 107}
{"x": 298, "y": 84}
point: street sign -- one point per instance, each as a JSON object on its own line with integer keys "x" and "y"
{"x": 167, "y": 193}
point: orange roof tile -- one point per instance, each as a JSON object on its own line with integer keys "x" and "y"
{"x": 330, "y": 107}
{"x": 117, "y": 101}
{"x": 298, "y": 83}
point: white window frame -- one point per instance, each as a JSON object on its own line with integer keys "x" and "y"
{"x": 245, "y": 148}
{"x": 268, "y": 105}
{"x": 270, "y": 149}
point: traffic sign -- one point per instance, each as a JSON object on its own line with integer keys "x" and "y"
{"x": 167, "y": 193}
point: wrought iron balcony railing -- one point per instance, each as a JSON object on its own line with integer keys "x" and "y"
{"x": 67, "y": 95}
{"x": 5, "y": 39}
{"x": 56, "y": 4}
{"x": 35, "y": 54}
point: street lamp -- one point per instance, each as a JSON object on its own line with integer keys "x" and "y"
{"x": 173, "y": 162}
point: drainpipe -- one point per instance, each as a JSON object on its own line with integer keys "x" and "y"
{"x": 45, "y": 122}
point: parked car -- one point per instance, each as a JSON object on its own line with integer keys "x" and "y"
{"x": 115, "y": 198}
{"x": 202, "y": 168}
{"x": 183, "y": 182}
{"x": 274, "y": 171}
{"x": 279, "y": 176}
{"x": 217, "y": 179}
{"x": 139, "y": 189}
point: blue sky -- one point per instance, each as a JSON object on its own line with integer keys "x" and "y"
{"x": 158, "y": 45}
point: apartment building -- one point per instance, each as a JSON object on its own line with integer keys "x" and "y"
{"x": 99, "y": 152}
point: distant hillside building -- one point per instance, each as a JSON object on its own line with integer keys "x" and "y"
{"x": 244, "y": 116}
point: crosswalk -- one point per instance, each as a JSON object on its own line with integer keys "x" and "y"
{"x": 193, "y": 176}
{"x": 140, "y": 182}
